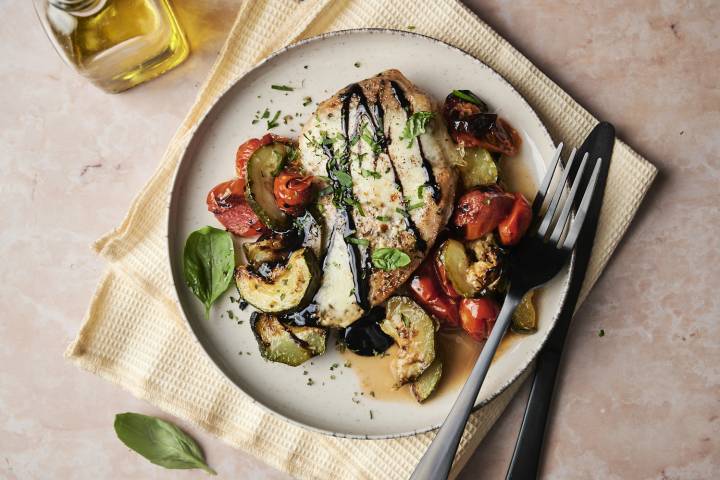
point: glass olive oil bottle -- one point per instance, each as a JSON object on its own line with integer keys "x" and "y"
{"x": 117, "y": 44}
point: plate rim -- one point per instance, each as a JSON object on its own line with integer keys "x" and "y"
{"x": 190, "y": 136}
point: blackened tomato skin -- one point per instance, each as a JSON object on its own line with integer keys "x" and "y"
{"x": 227, "y": 202}
{"x": 479, "y": 212}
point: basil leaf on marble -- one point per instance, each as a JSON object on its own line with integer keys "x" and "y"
{"x": 160, "y": 442}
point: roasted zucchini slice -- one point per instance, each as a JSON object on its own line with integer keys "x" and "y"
{"x": 289, "y": 345}
{"x": 287, "y": 287}
{"x": 272, "y": 249}
{"x": 313, "y": 337}
{"x": 478, "y": 168}
{"x": 426, "y": 383}
{"x": 262, "y": 168}
{"x": 414, "y": 332}
{"x": 472, "y": 271}
{"x": 524, "y": 319}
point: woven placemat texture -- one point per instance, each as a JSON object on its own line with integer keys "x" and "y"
{"x": 133, "y": 334}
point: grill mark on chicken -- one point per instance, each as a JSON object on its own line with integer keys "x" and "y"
{"x": 431, "y": 183}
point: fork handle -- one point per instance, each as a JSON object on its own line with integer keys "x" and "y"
{"x": 438, "y": 458}
{"x": 526, "y": 456}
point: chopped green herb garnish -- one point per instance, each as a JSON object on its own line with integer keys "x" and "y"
{"x": 357, "y": 241}
{"x": 266, "y": 114}
{"x": 344, "y": 178}
{"x": 411, "y": 27}
{"x": 273, "y": 122}
{"x": 284, "y": 88}
{"x": 415, "y": 126}
{"x": 415, "y": 205}
{"x": 357, "y": 64}
{"x": 332, "y": 377}
{"x": 356, "y": 204}
{"x": 421, "y": 190}
{"x": 370, "y": 173}
{"x": 307, "y": 101}
{"x": 371, "y": 140}
{"x": 326, "y": 191}
{"x": 405, "y": 320}
{"x": 401, "y": 212}
{"x": 231, "y": 315}
{"x": 601, "y": 333}
{"x": 384, "y": 218}
{"x": 371, "y": 415}
{"x": 468, "y": 96}
{"x": 310, "y": 382}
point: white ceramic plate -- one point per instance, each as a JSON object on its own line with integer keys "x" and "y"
{"x": 318, "y": 68}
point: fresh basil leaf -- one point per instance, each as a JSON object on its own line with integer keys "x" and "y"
{"x": 160, "y": 442}
{"x": 415, "y": 126}
{"x": 208, "y": 264}
{"x": 390, "y": 258}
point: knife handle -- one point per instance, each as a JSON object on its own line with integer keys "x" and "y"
{"x": 526, "y": 456}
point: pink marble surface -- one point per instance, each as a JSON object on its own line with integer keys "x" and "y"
{"x": 641, "y": 402}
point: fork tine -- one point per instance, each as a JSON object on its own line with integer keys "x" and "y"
{"x": 542, "y": 191}
{"x": 550, "y": 212}
{"x": 569, "y": 202}
{"x": 577, "y": 224}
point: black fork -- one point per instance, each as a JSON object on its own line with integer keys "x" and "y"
{"x": 535, "y": 261}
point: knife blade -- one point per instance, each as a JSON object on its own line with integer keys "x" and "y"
{"x": 528, "y": 448}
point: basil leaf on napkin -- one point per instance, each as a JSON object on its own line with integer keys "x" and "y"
{"x": 159, "y": 441}
{"x": 208, "y": 264}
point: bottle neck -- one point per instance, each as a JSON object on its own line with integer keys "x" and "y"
{"x": 78, "y": 7}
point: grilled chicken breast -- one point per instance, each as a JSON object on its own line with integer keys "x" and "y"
{"x": 389, "y": 190}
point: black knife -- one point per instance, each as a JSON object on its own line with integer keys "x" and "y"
{"x": 526, "y": 456}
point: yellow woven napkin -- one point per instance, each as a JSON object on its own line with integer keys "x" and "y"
{"x": 133, "y": 334}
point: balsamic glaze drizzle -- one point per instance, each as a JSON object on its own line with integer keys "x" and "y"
{"x": 376, "y": 115}
{"x": 431, "y": 183}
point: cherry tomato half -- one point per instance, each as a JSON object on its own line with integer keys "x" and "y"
{"x": 514, "y": 226}
{"x": 426, "y": 291}
{"x": 479, "y": 212}
{"x": 227, "y": 202}
{"x": 292, "y": 191}
{"x": 477, "y": 317}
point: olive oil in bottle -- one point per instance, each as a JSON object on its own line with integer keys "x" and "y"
{"x": 117, "y": 44}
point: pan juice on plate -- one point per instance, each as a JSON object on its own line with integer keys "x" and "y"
{"x": 116, "y": 44}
